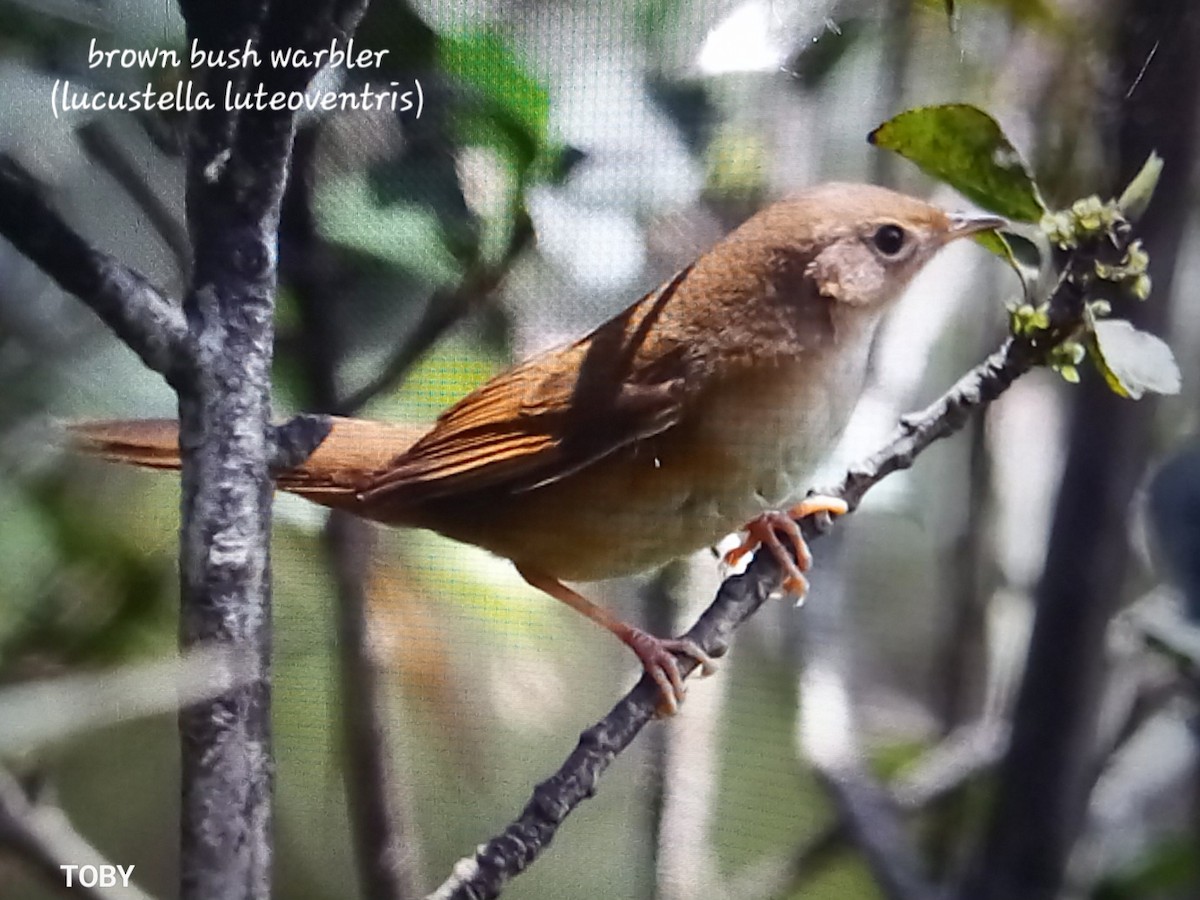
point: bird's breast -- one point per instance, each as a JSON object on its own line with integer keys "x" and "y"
{"x": 750, "y": 444}
{"x": 765, "y": 432}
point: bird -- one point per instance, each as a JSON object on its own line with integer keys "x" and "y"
{"x": 697, "y": 412}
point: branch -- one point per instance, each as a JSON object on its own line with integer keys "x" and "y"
{"x": 236, "y": 174}
{"x": 1162, "y": 625}
{"x": 292, "y": 442}
{"x": 444, "y": 310}
{"x": 104, "y": 149}
{"x": 136, "y": 311}
{"x": 43, "y": 835}
{"x": 1157, "y": 624}
{"x": 959, "y": 760}
{"x": 963, "y": 756}
{"x": 871, "y": 819}
{"x": 384, "y": 845}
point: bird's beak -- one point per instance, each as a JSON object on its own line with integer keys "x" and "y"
{"x": 965, "y": 224}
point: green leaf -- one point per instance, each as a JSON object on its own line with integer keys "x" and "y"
{"x": 486, "y": 64}
{"x": 1136, "y": 197}
{"x": 1132, "y": 361}
{"x": 1002, "y": 245}
{"x": 965, "y": 147}
{"x": 1167, "y": 868}
{"x": 1028, "y": 13}
{"x": 994, "y": 242}
{"x": 406, "y": 235}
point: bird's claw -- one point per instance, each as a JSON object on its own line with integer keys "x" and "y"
{"x": 764, "y": 532}
{"x": 659, "y": 659}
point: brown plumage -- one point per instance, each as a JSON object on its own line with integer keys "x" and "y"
{"x": 702, "y": 406}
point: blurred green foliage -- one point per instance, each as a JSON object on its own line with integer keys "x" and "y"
{"x": 1167, "y": 868}
{"x": 487, "y": 681}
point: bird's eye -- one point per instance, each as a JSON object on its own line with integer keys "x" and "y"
{"x": 889, "y": 239}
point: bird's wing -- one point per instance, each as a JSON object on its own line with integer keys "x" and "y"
{"x": 549, "y": 417}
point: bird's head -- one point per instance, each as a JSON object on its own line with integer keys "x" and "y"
{"x": 863, "y": 243}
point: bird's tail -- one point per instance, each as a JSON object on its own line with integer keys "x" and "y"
{"x": 332, "y": 476}
{"x": 153, "y": 443}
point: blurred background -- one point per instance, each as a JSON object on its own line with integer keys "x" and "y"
{"x": 568, "y": 158}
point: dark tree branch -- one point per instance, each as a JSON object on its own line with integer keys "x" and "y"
{"x": 872, "y": 822}
{"x": 100, "y": 145}
{"x": 137, "y": 312}
{"x": 1042, "y": 794}
{"x": 383, "y": 839}
{"x": 43, "y": 835}
{"x": 292, "y": 442}
{"x": 236, "y": 172}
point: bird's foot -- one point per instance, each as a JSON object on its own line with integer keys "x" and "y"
{"x": 764, "y": 532}
{"x": 658, "y": 656}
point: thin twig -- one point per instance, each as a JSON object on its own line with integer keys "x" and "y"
{"x": 100, "y": 145}
{"x": 963, "y": 756}
{"x": 1164, "y": 668}
{"x": 384, "y": 846}
{"x": 138, "y": 313}
{"x": 237, "y": 169}
{"x": 872, "y": 821}
{"x": 43, "y": 835}
{"x": 443, "y": 310}
{"x": 959, "y": 760}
